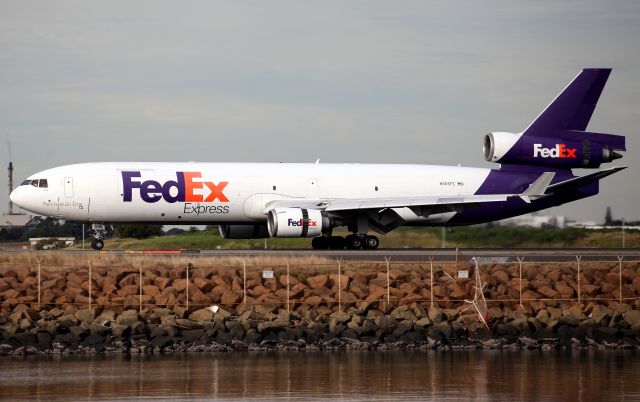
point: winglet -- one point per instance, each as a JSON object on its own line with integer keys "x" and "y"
{"x": 538, "y": 187}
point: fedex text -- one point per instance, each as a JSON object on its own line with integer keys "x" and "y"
{"x": 559, "y": 151}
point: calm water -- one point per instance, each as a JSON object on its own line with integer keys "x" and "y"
{"x": 480, "y": 375}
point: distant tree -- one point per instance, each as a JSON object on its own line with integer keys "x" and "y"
{"x": 608, "y": 220}
{"x": 139, "y": 231}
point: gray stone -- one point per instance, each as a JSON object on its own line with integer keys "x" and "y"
{"x": 403, "y": 327}
{"x": 107, "y": 315}
{"x": 435, "y": 314}
{"x": 423, "y": 322}
{"x": 86, "y": 315}
{"x": 336, "y": 319}
{"x": 403, "y": 313}
{"x": 67, "y": 321}
{"x": 201, "y": 315}
{"x": 128, "y": 318}
{"x": 186, "y": 323}
{"x": 99, "y": 329}
{"x": 632, "y": 317}
{"x": 118, "y": 330}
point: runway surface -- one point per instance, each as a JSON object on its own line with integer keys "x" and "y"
{"x": 484, "y": 255}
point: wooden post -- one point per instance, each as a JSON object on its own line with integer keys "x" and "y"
{"x": 39, "y": 260}
{"x": 388, "y": 282}
{"x": 431, "y": 282}
{"x": 188, "y": 266}
{"x": 620, "y": 278}
{"x": 90, "y": 284}
{"x": 339, "y": 284}
{"x": 140, "y": 297}
{"x": 520, "y": 259}
{"x": 288, "y": 312}
{"x": 578, "y": 258}
{"x": 244, "y": 283}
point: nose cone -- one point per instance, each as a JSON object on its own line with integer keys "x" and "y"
{"x": 15, "y": 197}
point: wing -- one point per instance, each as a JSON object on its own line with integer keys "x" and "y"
{"x": 423, "y": 206}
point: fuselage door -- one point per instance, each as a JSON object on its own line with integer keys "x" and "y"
{"x": 68, "y": 187}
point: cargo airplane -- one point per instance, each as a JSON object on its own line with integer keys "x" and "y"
{"x": 257, "y": 200}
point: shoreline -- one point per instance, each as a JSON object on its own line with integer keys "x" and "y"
{"x": 163, "y": 331}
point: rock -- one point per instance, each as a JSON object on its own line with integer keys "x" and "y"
{"x": 547, "y": 292}
{"x": 501, "y": 277}
{"x": 119, "y": 331}
{"x": 632, "y": 317}
{"x": 543, "y": 316}
{"x": 444, "y": 328}
{"x": 403, "y": 313}
{"x": 435, "y": 314}
{"x": 191, "y": 335}
{"x": 186, "y": 323}
{"x": 336, "y": 319}
{"x": 342, "y": 279}
{"x": 86, "y": 315}
{"x": 44, "y": 340}
{"x": 99, "y": 329}
{"x": 107, "y": 315}
{"x": 128, "y": 318}
{"x": 319, "y": 281}
{"x": 423, "y": 322}
{"x": 67, "y": 321}
{"x": 201, "y": 315}
{"x": 600, "y": 314}
{"x": 403, "y": 327}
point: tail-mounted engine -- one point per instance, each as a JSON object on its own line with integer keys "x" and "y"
{"x": 570, "y": 149}
{"x": 296, "y": 222}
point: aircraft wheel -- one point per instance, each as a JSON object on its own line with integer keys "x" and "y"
{"x": 320, "y": 243}
{"x": 354, "y": 242}
{"x": 336, "y": 242}
{"x": 371, "y": 242}
{"x": 97, "y": 244}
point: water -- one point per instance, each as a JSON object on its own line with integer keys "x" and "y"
{"x": 453, "y": 375}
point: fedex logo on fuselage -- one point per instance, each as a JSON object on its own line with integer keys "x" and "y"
{"x": 186, "y": 188}
{"x": 559, "y": 151}
{"x": 300, "y": 222}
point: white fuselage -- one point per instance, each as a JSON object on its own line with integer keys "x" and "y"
{"x": 216, "y": 193}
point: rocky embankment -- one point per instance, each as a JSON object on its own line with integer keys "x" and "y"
{"x": 365, "y": 307}
{"x": 162, "y": 330}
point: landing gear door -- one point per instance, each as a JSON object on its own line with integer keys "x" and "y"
{"x": 68, "y": 187}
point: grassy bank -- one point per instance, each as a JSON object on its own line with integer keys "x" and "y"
{"x": 406, "y": 238}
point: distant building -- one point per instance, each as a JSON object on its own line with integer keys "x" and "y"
{"x": 534, "y": 221}
{"x": 14, "y": 220}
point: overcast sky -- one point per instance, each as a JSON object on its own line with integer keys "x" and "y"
{"x": 344, "y": 81}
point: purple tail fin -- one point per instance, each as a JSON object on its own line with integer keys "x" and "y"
{"x": 557, "y": 138}
{"x": 572, "y": 109}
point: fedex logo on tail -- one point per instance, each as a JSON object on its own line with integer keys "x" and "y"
{"x": 559, "y": 151}
{"x": 186, "y": 188}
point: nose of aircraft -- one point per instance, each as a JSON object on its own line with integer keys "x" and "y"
{"x": 15, "y": 197}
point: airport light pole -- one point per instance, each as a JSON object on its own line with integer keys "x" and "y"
{"x": 623, "y": 239}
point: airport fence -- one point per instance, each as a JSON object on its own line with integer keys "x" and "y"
{"x": 298, "y": 284}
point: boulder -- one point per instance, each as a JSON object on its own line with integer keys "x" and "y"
{"x": 201, "y": 315}
{"x": 128, "y": 318}
{"x": 435, "y": 314}
{"x": 632, "y": 317}
{"x": 319, "y": 281}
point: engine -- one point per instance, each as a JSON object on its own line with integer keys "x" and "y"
{"x": 243, "y": 231}
{"x": 570, "y": 149}
{"x": 296, "y": 222}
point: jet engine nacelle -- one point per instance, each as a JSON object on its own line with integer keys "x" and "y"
{"x": 569, "y": 150}
{"x": 296, "y": 222}
{"x": 244, "y": 231}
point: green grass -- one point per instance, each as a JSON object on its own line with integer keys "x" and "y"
{"x": 463, "y": 237}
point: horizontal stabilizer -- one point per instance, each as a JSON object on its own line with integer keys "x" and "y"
{"x": 583, "y": 180}
{"x": 538, "y": 188}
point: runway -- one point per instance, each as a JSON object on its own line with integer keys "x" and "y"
{"x": 484, "y": 255}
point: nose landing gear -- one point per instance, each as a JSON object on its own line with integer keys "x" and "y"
{"x": 97, "y": 231}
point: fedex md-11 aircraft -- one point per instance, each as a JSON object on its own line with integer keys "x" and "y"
{"x": 257, "y": 200}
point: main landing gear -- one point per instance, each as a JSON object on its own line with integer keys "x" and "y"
{"x": 352, "y": 242}
{"x": 97, "y": 231}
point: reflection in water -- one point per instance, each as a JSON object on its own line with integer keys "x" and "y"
{"x": 570, "y": 376}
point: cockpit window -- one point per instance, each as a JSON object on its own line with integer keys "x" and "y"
{"x": 43, "y": 183}
{"x": 34, "y": 183}
{"x": 25, "y": 183}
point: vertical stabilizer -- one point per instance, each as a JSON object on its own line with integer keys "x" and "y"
{"x": 572, "y": 109}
